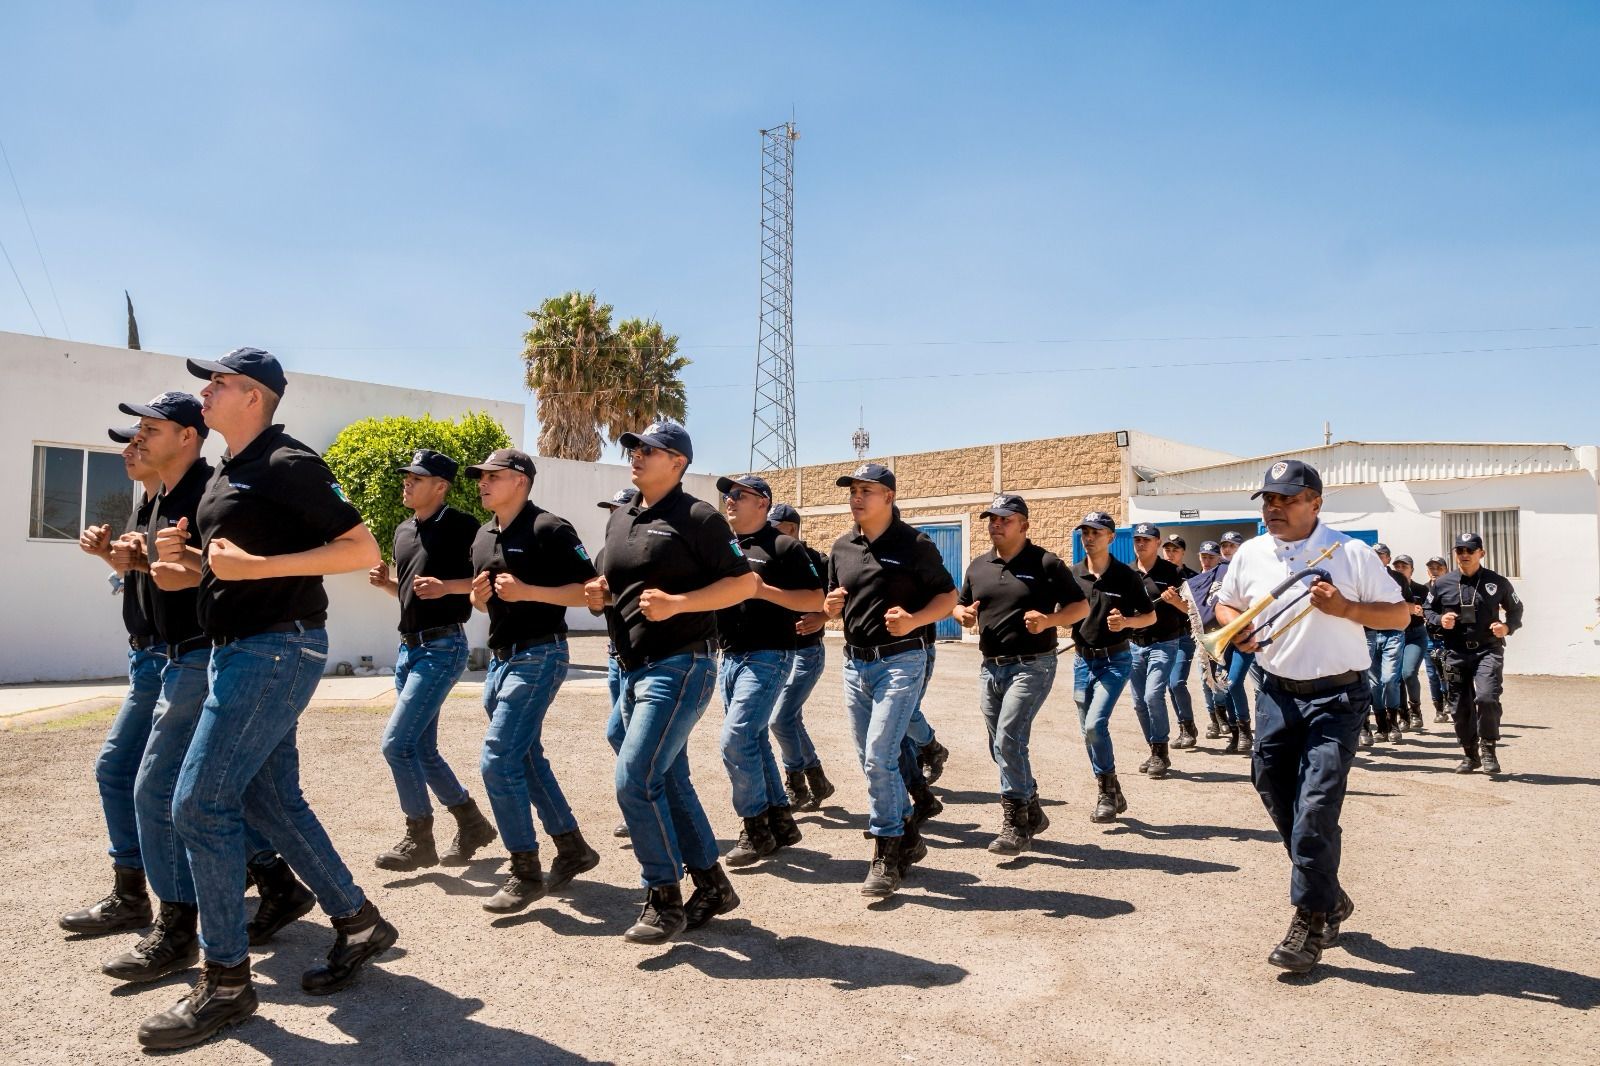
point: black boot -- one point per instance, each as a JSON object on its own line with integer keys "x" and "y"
{"x": 1439, "y": 714}
{"x": 522, "y": 887}
{"x": 574, "y": 856}
{"x": 416, "y": 849}
{"x": 621, "y": 832}
{"x": 924, "y": 805}
{"x": 932, "y": 758}
{"x": 1336, "y": 919}
{"x": 1416, "y": 719}
{"x": 1160, "y": 762}
{"x": 885, "y": 875}
{"x": 1214, "y": 726}
{"x": 1232, "y": 746}
{"x": 473, "y": 831}
{"x": 173, "y": 944}
{"x": 127, "y": 907}
{"x": 283, "y": 899}
{"x": 797, "y": 789}
{"x": 1486, "y": 755}
{"x": 821, "y": 787}
{"x": 348, "y": 955}
{"x": 1302, "y": 944}
{"x": 713, "y": 895}
{"x": 755, "y": 841}
{"x": 1015, "y": 834}
{"x": 223, "y": 996}
{"x": 1038, "y": 821}
{"x": 1247, "y": 739}
{"x": 780, "y": 820}
{"x": 1366, "y": 734}
{"x": 912, "y": 847}
{"x": 662, "y": 917}
{"x": 1470, "y": 761}
{"x": 1110, "y": 802}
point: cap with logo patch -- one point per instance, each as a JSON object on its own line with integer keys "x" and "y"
{"x": 1289, "y": 476}
{"x": 621, "y": 498}
{"x": 1469, "y": 540}
{"x": 1381, "y": 548}
{"x": 669, "y": 435}
{"x": 875, "y": 472}
{"x": 1005, "y": 505}
{"x": 1098, "y": 520}
{"x": 504, "y": 459}
{"x": 253, "y": 363}
{"x": 1230, "y": 537}
{"x": 1145, "y": 529}
{"x": 782, "y": 512}
{"x": 1210, "y": 547}
{"x": 1437, "y": 560}
{"x": 1173, "y": 538}
{"x": 425, "y": 462}
{"x": 755, "y": 484}
{"x": 176, "y": 407}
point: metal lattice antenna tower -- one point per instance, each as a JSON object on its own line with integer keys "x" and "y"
{"x": 861, "y": 440}
{"x": 772, "y": 424}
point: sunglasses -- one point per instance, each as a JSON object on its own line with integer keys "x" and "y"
{"x": 647, "y": 450}
{"x": 1465, "y": 551}
{"x": 738, "y": 494}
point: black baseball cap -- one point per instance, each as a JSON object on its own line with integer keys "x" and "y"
{"x": 123, "y": 434}
{"x": 1382, "y": 547}
{"x": 1232, "y": 537}
{"x": 253, "y": 363}
{"x": 1289, "y": 476}
{"x": 745, "y": 481}
{"x": 1173, "y": 538}
{"x": 1098, "y": 520}
{"x": 621, "y": 498}
{"x": 782, "y": 512}
{"x": 668, "y": 435}
{"x": 177, "y": 407}
{"x": 1469, "y": 540}
{"x": 429, "y": 463}
{"x": 868, "y": 472}
{"x": 1005, "y": 505}
{"x": 1145, "y": 529}
{"x": 1405, "y": 559}
{"x": 503, "y": 459}
{"x": 1437, "y": 560}
{"x": 1210, "y": 547}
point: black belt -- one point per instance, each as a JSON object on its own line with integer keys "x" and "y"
{"x": 1102, "y": 653}
{"x": 883, "y": 651}
{"x": 1492, "y": 644}
{"x": 184, "y": 647}
{"x": 1316, "y": 686}
{"x": 421, "y": 637}
{"x": 506, "y": 651}
{"x": 144, "y": 643}
{"x": 280, "y": 627}
{"x": 694, "y": 647}
{"x": 1013, "y": 660}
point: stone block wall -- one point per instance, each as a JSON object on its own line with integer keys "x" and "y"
{"x": 1090, "y": 459}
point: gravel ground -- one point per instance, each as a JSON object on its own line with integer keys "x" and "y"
{"x": 1143, "y": 941}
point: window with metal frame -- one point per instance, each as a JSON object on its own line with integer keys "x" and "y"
{"x": 74, "y": 488}
{"x": 1501, "y": 533}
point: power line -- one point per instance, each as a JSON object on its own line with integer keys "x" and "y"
{"x": 36, "y": 246}
{"x": 25, "y": 297}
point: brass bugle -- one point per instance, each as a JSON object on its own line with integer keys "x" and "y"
{"x": 1217, "y": 643}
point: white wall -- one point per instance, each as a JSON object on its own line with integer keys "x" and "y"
{"x": 1560, "y": 546}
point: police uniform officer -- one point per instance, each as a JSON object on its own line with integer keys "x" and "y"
{"x": 432, "y": 580}
{"x": 1155, "y": 650}
{"x": 272, "y": 521}
{"x": 1437, "y": 568}
{"x": 1467, "y": 605}
{"x": 805, "y": 781}
{"x": 1312, "y": 693}
{"x": 888, "y": 583}
{"x": 757, "y": 638}
{"x": 1173, "y": 550}
{"x": 1118, "y": 604}
{"x": 528, "y": 567}
{"x": 671, "y": 562}
{"x": 1016, "y": 594}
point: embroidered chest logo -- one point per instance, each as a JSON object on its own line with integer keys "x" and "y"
{"x": 1491, "y": 588}
{"x": 241, "y": 486}
{"x": 659, "y": 532}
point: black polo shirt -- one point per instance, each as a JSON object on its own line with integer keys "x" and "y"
{"x": 440, "y": 547}
{"x": 1005, "y": 590}
{"x": 679, "y": 544}
{"x": 537, "y": 548}
{"x": 902, "y": 568}
{"x": 136, "y": 584}
{"x": 758, "y": 625}
{"x": 1414, "y": 592}
{"x": 1171, "y": 622}
{"x": 819, "y": 563}
{"x": 276, "y": 497}
{"x": 1120, "y": 588}
{"x": 176, "y": 614}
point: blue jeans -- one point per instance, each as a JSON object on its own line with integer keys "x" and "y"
{"x": 921, "y": 730}
{"x": 788, "y": 728}
{"x": 1383, "y": 676}
{"x": 1238, "y": 702}
{"x": 879, "y": 697}
{"x": 117, "y": 768}
{"x": 1413, "y": 650}
{"x": 616, "y": 727}
{"x": 1178, "y": 680}
{"x": 1010, "y": 697}
{"x": 517, "y": 692}
{"x": 423, "y": 677}
{"x": 1152, "y": 666}
{"x": 750, "y": 684}
{"x": 1300, "y": 765}
{"x": 661, "y": 703}
{"x": 1430, "y": 659}
{"x": 243, "y": 758}
{"x": 1096, "y": 684}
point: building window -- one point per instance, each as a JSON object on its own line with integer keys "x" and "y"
{"x": 1502, "y": 547}
{"x": 74, "y": 488}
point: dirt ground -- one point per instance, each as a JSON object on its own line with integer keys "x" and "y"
{"x": 1143, "y": 941}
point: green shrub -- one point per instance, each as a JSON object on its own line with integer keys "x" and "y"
{"x": 367, "y": 455}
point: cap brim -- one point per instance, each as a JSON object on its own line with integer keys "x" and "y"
{"x": 139, "y": 410}
{"x": 726, "y": 483}
{"x": 123, "y": 436}
{"x": 476, "y": 472}
{"x": 420, "y": 471}
{"x": 998, "y": 512}
{"x": 846, "y": 481}
{"x": 204, "y": 368}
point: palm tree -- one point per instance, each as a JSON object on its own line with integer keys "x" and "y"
{"x": 645, "y": 365}
{"x": 568, "y": 359}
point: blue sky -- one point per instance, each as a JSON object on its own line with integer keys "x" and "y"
{"x": 1011, "y": 221}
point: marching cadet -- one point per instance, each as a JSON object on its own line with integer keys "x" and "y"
{"x": 616, "y": 728}
{"x": 1172, "y": 550}
{"x": 804, "y": 780}
{"x": 1416, "y": 643}
{"x": 1467, "y": 605}
{"x": 1155, "y": 650}
{"x": 1216, "y": 701}
{"x": 1016, "y": 594}
{"x": 1387, "y": 647}
{"x": 1437, "y": 568}
{"x": 1239, "y": 664}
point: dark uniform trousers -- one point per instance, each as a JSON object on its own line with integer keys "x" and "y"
{"x": 1475, "y": 677}
{"x": 1304, "y": 747}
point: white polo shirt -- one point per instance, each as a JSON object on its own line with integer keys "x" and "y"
{"x": 1319, "y": 645}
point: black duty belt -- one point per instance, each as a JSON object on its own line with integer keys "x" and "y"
{"x": 883, "y": 651}
{"x": 422, "y": 636}
{"x": 507, "y": 651}
{"x": 1013, "y": 660}
{"x": 145, "y": 643}
{"x": 1491, "y": 644}
{"x": 184, "y": 647}
{"x": 1103, "y": 653}
{"x": 694, "y": 647}
{"x": 1316, "y": 686}
{"x": 279, "y": 627}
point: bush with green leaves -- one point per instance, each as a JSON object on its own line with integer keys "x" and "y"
{"x": 367, "y": 455}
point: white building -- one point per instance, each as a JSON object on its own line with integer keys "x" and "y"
{"x": 60, "y": 470}
{"x": 1537, "y": 507}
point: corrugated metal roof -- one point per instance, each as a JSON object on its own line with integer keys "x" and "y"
{"x": 1365, "y": 462}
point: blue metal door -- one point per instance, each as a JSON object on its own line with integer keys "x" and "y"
{"x": 1121, "y": 546}
{"x": 947, "y": 538}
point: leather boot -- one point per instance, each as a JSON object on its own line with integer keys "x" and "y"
{"x": 884, "y": 876}
{"x": 821, "y": 787}
{"x": 1015, "y": 835}
{"x": 1336, "y": 919}
{"x": 360, "y": 938}
{"x": 414, "y": 851}
{"x": 796, "y": 789}
{"x": 662, "y": 917}
{"x": 1416, "y": 720}
{"x": 1470, "y": 761}
{"x": 522, "y": 887}
{"x": 1214, "y": 727}
{"x": 127, "y": 907}
{"x": 1110, "y": 802}
{"x": 1160, "y": 763}
{"x": 223, "y": 996}
{"x": 473, "y": 831}
{"x": 1232, "y": 746}
{"x": 283, "y": 899}
{"x": 780, "y": 820}
{"x": 713, "y": 895}
{"x": 1247, "y": 738}
{"x": 173, "y": 944}
{"x": 913, "y": 849}
{"x": 1366, "y": 734}
{"x": 755, "y": 841}
{"x": 1486, "y": 755}
{"x": 1301, "y": 946}
{"x": 1038, "y": 821}
{"x": 932, "y": 758}
{"x": 573, "y": 857}
{"x": 1190, "y": 735}
{"x": 621, "y": 832}
{"x": 924, "y": 805}
{"x": 1439, "y": 715}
